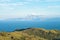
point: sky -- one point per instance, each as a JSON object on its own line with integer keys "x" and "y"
{"x": 22, "y": 8}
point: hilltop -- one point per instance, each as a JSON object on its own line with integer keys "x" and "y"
{"x": 31, "y": 34}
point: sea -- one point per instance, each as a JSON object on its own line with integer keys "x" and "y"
{"x": 9, "y": 26}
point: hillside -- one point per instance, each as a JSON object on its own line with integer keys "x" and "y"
{"x": 31, "y": 34}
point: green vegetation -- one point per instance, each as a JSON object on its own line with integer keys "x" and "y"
{"x": 31, "y": 34}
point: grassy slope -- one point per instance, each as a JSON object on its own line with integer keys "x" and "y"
{"x": 30, "y": 34}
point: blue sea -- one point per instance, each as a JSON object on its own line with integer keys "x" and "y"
{"x": 12, "y": 25}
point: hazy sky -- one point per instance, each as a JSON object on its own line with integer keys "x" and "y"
{"x": 22, "y": 8}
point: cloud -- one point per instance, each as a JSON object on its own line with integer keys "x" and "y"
{"x": 52, "y": 0}
{"x": 5, "y": 0}
{"x": 8, "y": 5}
{"x": 12, "y": 15}
{"x": 54, "y": 6}
{"x": 28, "y": 0}
{"x": 33, "y": 0}
{"x": 43, "y": 0}
{"x": 12, "y": 5}
{"x": 10, "y": 8}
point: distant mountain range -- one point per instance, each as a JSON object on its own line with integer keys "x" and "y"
{"x": 32, "y": 21}
{"x": 27, "y": 18}
{"x": 35, "y": 18}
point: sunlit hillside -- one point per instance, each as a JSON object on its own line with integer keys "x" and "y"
{"x": 31, "y": 34}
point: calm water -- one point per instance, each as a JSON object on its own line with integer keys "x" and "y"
{"x": 12, "y": 25}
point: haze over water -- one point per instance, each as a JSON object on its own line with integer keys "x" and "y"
{"x": 17, "y": 14}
